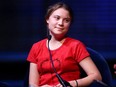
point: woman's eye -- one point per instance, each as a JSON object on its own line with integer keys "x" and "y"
{"x": 67, "y": 20}
{"x": 57, "y": 18}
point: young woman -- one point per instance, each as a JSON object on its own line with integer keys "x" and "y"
{"x": 68, "y": 54}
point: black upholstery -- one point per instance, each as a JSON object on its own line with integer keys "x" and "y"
{"x": 103, "y": 67}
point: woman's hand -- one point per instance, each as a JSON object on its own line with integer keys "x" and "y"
{"x": 59, "y": 85}
{"x": 46, "y": 86}
{"x": 72, "y": 83}
{"x": 114, "y": 68}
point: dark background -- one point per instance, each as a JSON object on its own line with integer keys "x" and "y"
{"x": 22, "y": 24}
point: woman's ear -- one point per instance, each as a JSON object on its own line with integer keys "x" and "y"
{"x": 47, "y": 21}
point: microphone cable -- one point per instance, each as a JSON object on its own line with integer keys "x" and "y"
{"x": 62, "y": 82}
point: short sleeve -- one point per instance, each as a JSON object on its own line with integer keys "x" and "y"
{"x": 32, "y": 54}
{"x": 81, "y": 52}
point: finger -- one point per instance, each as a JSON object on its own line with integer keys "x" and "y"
{"x": 114, "y": 66}
{"x": 114, "y": 72}
{"x": 59, "y": 85}
{"x": 46, "y": 86}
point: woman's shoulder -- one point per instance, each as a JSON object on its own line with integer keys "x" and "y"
{"x": 39, "y": 43}
{"x": 73, "y": 40}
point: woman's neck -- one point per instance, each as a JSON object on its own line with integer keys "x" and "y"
{"x": 55, "y": 43}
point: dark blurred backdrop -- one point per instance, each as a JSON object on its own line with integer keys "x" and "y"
{"x": 22, "y": 24}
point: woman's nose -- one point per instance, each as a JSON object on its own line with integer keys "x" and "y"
{"x": 60, "y": 22}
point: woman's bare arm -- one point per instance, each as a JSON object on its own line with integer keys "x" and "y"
{"x": 91, "y": 70}
{"x": 33, "y": 75}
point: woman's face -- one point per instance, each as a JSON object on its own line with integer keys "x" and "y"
{"x": 59, "y": 22}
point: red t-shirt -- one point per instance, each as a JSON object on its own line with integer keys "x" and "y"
{"x": 66, "y": 59}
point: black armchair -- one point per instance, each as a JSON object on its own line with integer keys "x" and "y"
{"x": 103, "y": 67}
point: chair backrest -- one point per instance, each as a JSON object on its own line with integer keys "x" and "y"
{"x": 102, "y": 65}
